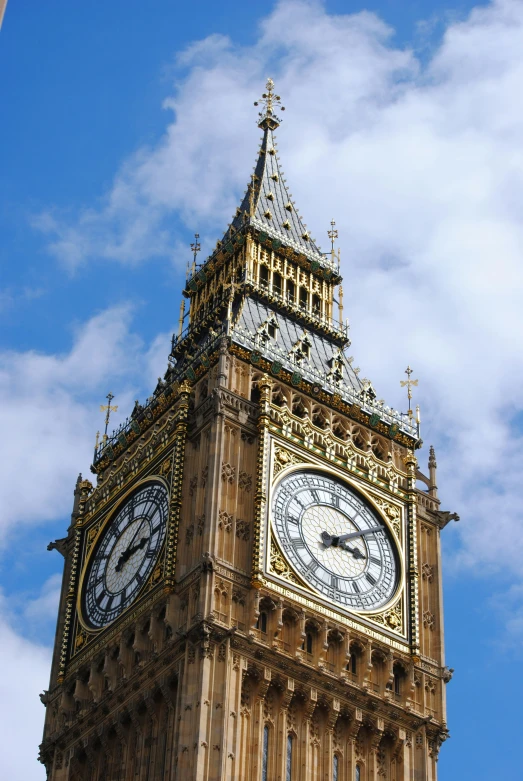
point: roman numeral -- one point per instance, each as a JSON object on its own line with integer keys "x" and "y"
{"x": 293, "y": 520}
{"x": 375, "y": 560}
{"x": 315, "y": 495}
{"x": 355, "y": 587}
{"x": 370, "y": 578}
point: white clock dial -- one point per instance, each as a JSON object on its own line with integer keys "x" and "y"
{"x": 335, "y": 540}
{"x": 125, "y": 555}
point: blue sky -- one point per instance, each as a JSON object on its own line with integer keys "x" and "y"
{"x": 126, "y": 127}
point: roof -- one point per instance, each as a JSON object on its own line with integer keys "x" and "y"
{"x": 324, "y": 358}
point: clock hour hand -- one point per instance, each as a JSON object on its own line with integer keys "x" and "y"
{"x": 355, "y": 551}
{"x": 126, "y": 555}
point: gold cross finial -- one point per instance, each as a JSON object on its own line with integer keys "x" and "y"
{"x": 408, "y": 383}
{"x": 270, "y": 101}
{"x": 107, "y": 408}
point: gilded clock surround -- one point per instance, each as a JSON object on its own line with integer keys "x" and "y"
{"x": 93, "y": 536}
{"x": 226, "y": 641}
{"x": 395, "y": 605}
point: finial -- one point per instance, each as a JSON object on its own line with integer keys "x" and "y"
{"x": 107, "y": 408}
{"x": 97, "y": 442}
{"x": 433, "y": 489}
{"x": 268, "y": 119}
{"x": 333, "y": 235}
{"x": 408, "y": 383}
{"x": 182, "y": 316}
{"x": 195, "y": 247}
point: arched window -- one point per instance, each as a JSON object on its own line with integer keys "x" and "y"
{"x": 335, "y": 763}
{"x": 291, "y": 292}
{"x": 309, "y": 642}
{"x": 277, "y": 283}
{"x": 265, "y": 753}
{"x": 357, "y": 775}
{"x": 264, "y": 276}
{"x": 316, "y": 304}
{"x": 288, "y": 764}
{"x": 353, "y": 663}
{"x": 261, "y": 623}
{"x": 397, "y": 681}
{"x": 304, "y": 298}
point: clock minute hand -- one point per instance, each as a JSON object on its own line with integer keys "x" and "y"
{"x": 331, "y": 539}
{"x": 353, "y": 535}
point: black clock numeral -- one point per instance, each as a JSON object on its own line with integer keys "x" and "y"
{"x": 375, "y": 560}
{"x": 315, "y": 495}
{"x": 355, "y": 587}
{"x": 370, "y": 578}
{"x": 298, "y": 544}
{"x": 292, "y": 519}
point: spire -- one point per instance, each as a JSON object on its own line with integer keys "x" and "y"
{"x": 267, "y": 205}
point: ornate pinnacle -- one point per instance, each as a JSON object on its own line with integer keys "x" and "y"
{"x": 107, "y": 408}
{"x": 195, "y": 248}
{"x": 332, "y": 234}
{"x": 408, "y": 383}
{"x": 267, "y": 117}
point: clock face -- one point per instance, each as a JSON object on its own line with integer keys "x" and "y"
{"x": 335, "y": 540}
{"x": 125, "y": 554}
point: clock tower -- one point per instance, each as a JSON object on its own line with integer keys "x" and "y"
{"x": 252, "y": 590}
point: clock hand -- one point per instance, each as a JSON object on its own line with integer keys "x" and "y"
{"x": 126, "y": 555}
{"x": 355, "y": 551}
{"x": 330, "y": 539}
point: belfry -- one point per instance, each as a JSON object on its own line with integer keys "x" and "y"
{"x": 252, "y": 590}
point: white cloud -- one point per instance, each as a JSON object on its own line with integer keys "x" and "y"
{"x": 420, "y": 162}
{"x": 42, "y": 610}
{"x": 53, "y": 403}
{"x": 25, "y": 667}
